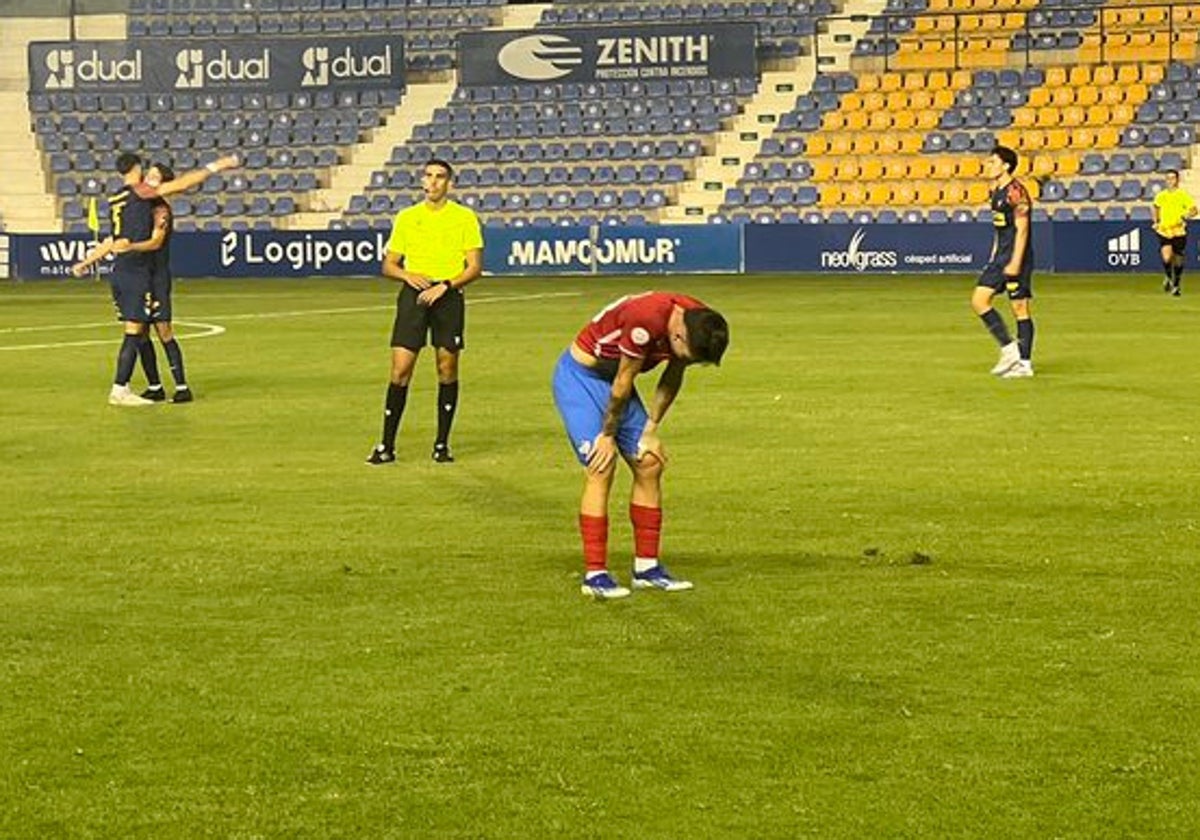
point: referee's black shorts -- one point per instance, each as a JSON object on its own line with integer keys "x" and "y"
{"x": 1178, "y": 243}
{"x": 441, "y": 324}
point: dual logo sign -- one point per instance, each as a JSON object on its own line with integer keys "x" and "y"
{"x": 199, "y": 65}
{"x": 1092, "y": 247}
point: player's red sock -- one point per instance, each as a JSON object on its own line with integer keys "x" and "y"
{"x": 647, "y": 528}
{"x": 594, "y": 530}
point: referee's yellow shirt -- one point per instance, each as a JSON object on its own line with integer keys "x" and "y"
{"x": 435, "y": 242}
{"x": 1173, "y": 208}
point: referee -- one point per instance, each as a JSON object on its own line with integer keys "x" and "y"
{"x": 1172, "y": 208}
{"x": 435, "y": 250}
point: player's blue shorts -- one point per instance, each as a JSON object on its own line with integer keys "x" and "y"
{"x": 581, "y": 395}
{"x": 131, "y": 295}
{"x": 1017, "y": 288}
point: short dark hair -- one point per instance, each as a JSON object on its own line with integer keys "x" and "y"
{"x": 445, "y": 165}
{"x": 168, "y": 174}
{"x": 1174, "y": 172}
{"x": 707, "y": 334}
{"x": 126, "y": 161}
{"x": 1007, "y": 155}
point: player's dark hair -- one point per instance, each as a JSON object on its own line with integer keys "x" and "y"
{"x": 445, "y": 165}
{"x": 126, "y": 161}
{"x": 164, "y": 169}
{"x": 707, "y": 334}
{"x": 1007, "y": 156}
{"x": 1174, "y": 172}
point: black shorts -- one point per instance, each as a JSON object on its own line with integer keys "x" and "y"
{"x": 1178, "y": 243}
{"x": 441, "y": 324}
{"x": 131, "y": 295}
{"x": 1017, "y": 288}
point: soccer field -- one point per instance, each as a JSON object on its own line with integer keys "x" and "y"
{"x": 929, "y": 603}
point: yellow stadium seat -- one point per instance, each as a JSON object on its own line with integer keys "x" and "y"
{"x": 943, "y": 98}
{"x": 834, "y": 121}
{"x": 1072, "y": 115}
{"x": 905, "y": 168}
{"x": 1113, "y": 94}
{"x": 852, "y": 101}
{"x": 870, "y": 169}
{"x": 953, "y": 193}
{"x": 1062, "y": 96}
{"x": 1121, "y": 114}
{"x": 887, "y": 144}
{"x": 910, "y": 142}
{"x": 958, "y": 80}
{"x": 970, "y": 23}
{"x": 896, "y": 100}
{"x": 1055, "y": 76}
{"x": 865, "y": 142}
{"x": 1127, "y": 74}
{"x": 1048, "y": 116}
{"x": 926, "y": 119}
{"x": 943, "y": 168}
{"x": 1039, "y": 97}
{"x": 1087, "y": 95}
{"x": 904, "y": 194}
{"x": 914, "y": 80}
{"x": 1103, "y": 74}
{"x": 1098, "y": 114}
{"x": 816, "y": 144}
{"x": 848, "y": 169}
{"x": 1083, "y": 137}
{"x": 920, "y": 100}
{"x": 879, "y": 194}
{"x": 1024, "y": 117}
{"x": 1031, "y": 140}
{"x": 874, "y": 100}
{"x": 969, "y": 167}
{"x": 824, "y": 169}
{"x": 1152, "y": 74}
{"x": 928, "y": 193}
{"x": 1042, "y": 166}
{"x": 1107, "y": 137}
{"x": 1067, "y": 163}
{"x": 891, "y": 81}
{"x": 868, "y": 82}
{"x": 904, "y": 120}
{"x": 1013, "y": 21}
{"x": 839, "y": 143}
{"x": 1136, "y": 94}
{"x": 830, "y": 195}
{"x": 1080, "y": 74}
{"x": 1156, "y": 16}
{"x": 978, "y": 192}
{"x": 1008, "y": 137}
{"x": 1057, "y": 138}
{"x": 854, "y": 193}
{"x": 857, "y": 120}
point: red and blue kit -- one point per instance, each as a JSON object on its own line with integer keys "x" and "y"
{"x": 635, "y": 326}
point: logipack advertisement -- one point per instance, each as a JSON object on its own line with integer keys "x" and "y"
{"x": 701, "y": 49}
{"x": 199, "y": 65}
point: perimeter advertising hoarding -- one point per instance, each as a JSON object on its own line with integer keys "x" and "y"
{"x": 696, "y": 50}
{"x": 200, "y": 65}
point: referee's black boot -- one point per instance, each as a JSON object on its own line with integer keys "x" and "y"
{"x": 441, "y": 454}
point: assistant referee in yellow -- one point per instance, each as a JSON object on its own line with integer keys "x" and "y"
{"x": 1172, "y": 208}
{"x": 435, "y": 250}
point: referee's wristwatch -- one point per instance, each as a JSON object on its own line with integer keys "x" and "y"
{"x": 449, "y": 286}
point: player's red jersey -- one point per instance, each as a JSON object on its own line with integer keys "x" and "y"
{"x": 636, "y": 326}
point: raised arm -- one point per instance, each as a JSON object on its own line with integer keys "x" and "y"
{"x": 197, "y": 176}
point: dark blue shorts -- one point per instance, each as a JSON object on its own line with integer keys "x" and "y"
{"x": 1017, "y": 288}
{"x": 131, "y": 295}
{"x": 581, "y": 396}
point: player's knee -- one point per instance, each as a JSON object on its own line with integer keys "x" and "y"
{"x": 648, "y": 467}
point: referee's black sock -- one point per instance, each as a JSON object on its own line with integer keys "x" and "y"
{"x": 397, "y": 396}
{"x": 127, "y": 357}
{"x": 1169, "y": 269}
{"x": 1025, "y": 338}
{"x": 447, "y": 405}
{"x": 1178, "y": 273}
{"x": 996, "y": 326}
{"x": 149, "y": 362}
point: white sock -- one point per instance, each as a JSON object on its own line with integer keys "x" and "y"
{"x": 157, "y": 387}
{"x": 644, "y": 564}
{"x": 591, "y": 575}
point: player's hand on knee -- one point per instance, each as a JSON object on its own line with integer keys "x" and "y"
{"x": 602, "y": 453}
{"x": 651, "y": 446}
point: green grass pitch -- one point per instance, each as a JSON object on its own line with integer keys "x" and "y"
{"x": 929, "y": 603}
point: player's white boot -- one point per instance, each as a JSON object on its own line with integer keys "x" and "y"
{"x": 121, "y": 395}
{"x": 1010, "y": 357}
{"x": 1021, "y": 370}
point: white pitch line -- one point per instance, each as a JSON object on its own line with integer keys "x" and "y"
{"x": 211, "y": 330}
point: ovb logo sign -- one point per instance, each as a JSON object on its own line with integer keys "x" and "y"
{"x": 1125, "y": 250}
